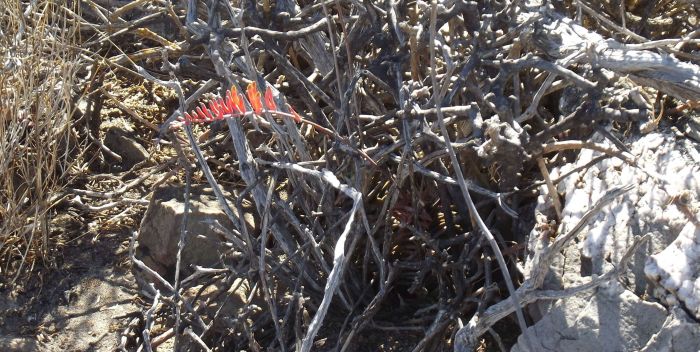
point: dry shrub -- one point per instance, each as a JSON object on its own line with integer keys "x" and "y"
{"x": 38, "y": 66}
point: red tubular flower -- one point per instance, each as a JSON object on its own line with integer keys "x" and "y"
{"x": 225, "y": 109}
{"x": 270, "y": 100}
{"x": 235, "y": 101}
{"x": 214, "y": 106}
{"x": 254, "y": 97}
{"x": 221, "y": 106}
{"x": 210, "y": 116}
{"x": 296, "y": 116}
{"x": 203, "y": 114}
{"x": 229, "y": 102}
{"x": 188, "y": 118}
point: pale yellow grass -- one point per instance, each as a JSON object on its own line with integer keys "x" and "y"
{"x": 38, "y": 66}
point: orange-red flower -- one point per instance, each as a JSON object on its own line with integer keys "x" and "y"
{"x": 235, "y": 101}
{"x": 270, "y": 100}
{"x": 254, "y": 97}
{"x": 233, "y": 104}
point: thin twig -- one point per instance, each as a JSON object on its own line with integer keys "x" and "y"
{"x": 149, "y": 322}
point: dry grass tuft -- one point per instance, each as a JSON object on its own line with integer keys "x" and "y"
{"x": 38, "y": 66}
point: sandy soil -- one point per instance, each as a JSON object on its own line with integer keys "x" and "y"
{"x": 83, "y": 305}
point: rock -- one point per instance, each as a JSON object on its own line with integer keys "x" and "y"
{"x": 596, "y": 322}
{"x": 676, "y": 271}
{"x": 679, "y": 333}
{"x": 121, "y": 141}
{"x": 159, "y": 233}
{"x": 649, "y": 208}
{"x": 665, "y": 271}
{"x": 646, "y": 209}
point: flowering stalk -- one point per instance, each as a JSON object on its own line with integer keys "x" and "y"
{"x": 233, "y": 105}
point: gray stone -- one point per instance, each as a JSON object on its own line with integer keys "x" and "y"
{"x": 598, "y": 322}
{"x": 159, "y": 233}
{"x": 679, "y": 333}
{"x": 121, "y": 142}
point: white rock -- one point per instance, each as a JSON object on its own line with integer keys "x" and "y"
{"x": 677, "y": 268}
{"x": 666, "y": 270}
